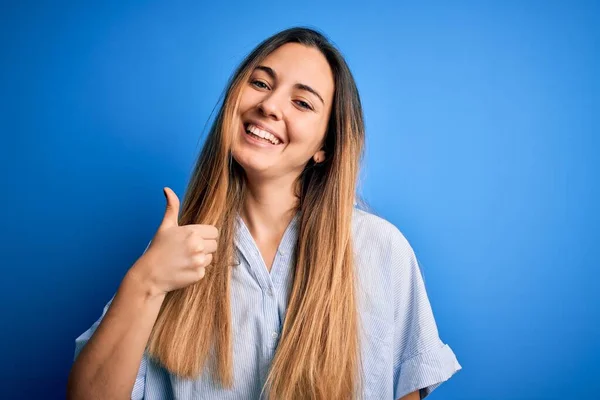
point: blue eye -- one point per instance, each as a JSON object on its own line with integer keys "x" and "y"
{"x": 304, "y": 105}
{"x": 259, "y": 82}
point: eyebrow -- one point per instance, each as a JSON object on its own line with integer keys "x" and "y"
{"x": 300, "y": 86}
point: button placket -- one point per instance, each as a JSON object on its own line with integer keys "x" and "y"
{"x": 274, "y": 339}
{"x": 271, "y": 327}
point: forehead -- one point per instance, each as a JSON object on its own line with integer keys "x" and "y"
{"x": 297, "y": 63}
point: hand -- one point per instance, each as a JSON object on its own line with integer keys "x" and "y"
{"x": 178, "y": 255}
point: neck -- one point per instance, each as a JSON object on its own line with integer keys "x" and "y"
{"x": 268, "y": 208}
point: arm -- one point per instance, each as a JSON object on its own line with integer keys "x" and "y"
{"x": 107, "y": 366}
{"x": 411, "y": 396}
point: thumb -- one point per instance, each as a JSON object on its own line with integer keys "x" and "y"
{"x": 172, "y": 209}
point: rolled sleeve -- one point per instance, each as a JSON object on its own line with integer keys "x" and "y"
{"x": 426, "y": 371}
{"x": 421, "y": 360}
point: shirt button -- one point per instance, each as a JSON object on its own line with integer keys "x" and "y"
{"x": 270, "y": 292}
{"x": 274, "y": 335}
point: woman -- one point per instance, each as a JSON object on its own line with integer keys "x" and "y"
{"x": 270, "y": 282}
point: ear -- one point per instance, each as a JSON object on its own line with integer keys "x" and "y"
{"x": 319, "y": 156}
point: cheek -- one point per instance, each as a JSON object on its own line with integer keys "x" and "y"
{"x": 248, "y": 99}
{"x": 309, "y": 134}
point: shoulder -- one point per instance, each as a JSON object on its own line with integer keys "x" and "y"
{"x": 383, "y": 255}
{"x": 384, "y": 258}
{"x": 375, "y": 233}
{"x": 385, "y": 266}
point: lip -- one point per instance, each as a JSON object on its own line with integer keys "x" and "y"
{"x": 255, "y": 142}
{"x": 263, "y": 127}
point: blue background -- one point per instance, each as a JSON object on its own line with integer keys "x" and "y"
{"x": 483, "y": 138}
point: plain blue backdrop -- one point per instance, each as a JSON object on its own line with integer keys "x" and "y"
{"x": 482, "y": 147}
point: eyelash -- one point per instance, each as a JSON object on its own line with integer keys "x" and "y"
{"x": 307, "y": 107}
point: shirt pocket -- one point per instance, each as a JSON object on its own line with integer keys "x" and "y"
{"x": 376, "y": 352}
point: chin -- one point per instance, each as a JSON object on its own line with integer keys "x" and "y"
{"x": 251, "y": 163}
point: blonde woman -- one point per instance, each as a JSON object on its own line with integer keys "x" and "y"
{"x": 270, "y": 282}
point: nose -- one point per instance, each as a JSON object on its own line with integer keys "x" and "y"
{"x": 270, "y": 107}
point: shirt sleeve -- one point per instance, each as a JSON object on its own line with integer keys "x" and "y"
{"x": 140, "y": 379}
{"x": 421, "y": 360}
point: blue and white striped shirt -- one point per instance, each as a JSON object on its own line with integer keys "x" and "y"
{"x": 401, "y": 349}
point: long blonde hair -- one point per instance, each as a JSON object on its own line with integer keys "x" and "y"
{"x": 318, "y": 355}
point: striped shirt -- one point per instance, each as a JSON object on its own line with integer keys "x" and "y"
{"x": 400, "y": 345}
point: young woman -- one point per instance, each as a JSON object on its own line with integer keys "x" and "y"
{"x": 271, "y": 282}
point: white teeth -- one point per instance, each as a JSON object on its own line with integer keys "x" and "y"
{"x": 262, "y": 134}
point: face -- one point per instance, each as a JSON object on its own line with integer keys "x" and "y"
{"x": 284, "y": 112}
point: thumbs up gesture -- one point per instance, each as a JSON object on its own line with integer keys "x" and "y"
{"x": 178, "y": 255}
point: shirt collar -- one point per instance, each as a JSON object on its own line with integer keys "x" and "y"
{"x": 245, "y": 242}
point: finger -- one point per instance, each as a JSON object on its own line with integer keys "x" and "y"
{"x": 198, "y": 273}
{"x": 197, "y": 260}
{"x": 172, "y": 209}
{"x": 205, "y": 231}
{"x": 210, "y": 246}
{"x": 200, "y": 260}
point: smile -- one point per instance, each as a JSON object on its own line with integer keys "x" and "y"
{"x": 255, "y": 135}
